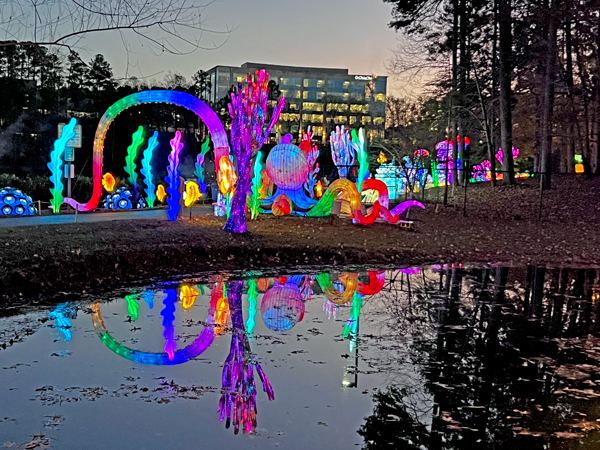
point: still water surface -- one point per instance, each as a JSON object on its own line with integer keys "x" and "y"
{"x": 436, "y": 357}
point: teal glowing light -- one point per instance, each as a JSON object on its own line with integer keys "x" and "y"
{"x": 252, "y": 296}
{"x": 363, "y": 157}
{"x": 55, "y": 165}
{"x": 351, "y": 327}
{"x": 147, "y": 170}
{"x": 256, "y": 186}
{"x": 173, "y": 177}
{"x": 149, "y": 298}
{"x": 199, "y": 172}
{"x": 137, "y": 139}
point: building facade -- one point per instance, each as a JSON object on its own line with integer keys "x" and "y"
{"x": 317, "y": 97}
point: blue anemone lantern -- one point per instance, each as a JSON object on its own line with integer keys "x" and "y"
{"x": 122, "y": 199}
{"x": 14, "y": 202}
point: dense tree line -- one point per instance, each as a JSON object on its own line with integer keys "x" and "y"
{"x": 523, "y": 73}
{"x": 39, "y": 88}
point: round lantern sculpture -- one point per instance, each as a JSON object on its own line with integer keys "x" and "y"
{"x": 282, "y": 307}
{"x": 14, "y": 202}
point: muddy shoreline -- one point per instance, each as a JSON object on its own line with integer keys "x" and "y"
{"x": 41, "y": 261}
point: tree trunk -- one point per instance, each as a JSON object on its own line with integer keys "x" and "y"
{"x": 455, "y": 95}
{"x": 570, "y": 156}
{"x": 236, "y": 223}
{"x": 504, "y": 22}
{"x": 548, "y": 101}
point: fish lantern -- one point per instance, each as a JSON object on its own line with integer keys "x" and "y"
{"x": 188, "y": 296}
{"x": 161, "y": 194}
{"x": 108, "y": 182}
{"x": 192, "y": 193}
{"x": 282, "y": 206}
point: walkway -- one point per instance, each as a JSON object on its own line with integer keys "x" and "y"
{"x": 98, "y": 216}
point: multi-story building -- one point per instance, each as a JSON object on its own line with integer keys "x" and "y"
{"x": 317, "y": 97}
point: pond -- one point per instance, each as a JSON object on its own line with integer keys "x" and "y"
{"x": 439, "y": 357}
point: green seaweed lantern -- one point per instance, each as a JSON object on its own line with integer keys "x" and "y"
{"x": 147, "y": 170}
{"x": 256, "y": 186}
{"x": 199, "y": 171}
{"x": 132, "y": 151}
{"x": 55, "y": 165}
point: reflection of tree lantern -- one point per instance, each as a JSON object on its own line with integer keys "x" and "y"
{"x": 579, "y": 164}
{"x": 263, "y": 284}
{"x": 319, "y": 189}
{"x": 282, "y": 307}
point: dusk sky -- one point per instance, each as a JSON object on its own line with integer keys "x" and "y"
{"x": 349, "y": 34}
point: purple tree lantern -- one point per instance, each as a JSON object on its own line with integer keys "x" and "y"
{"x": 248, "y": 111}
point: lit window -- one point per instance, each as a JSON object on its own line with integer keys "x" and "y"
{"x": 378, "y": 121}
{"x": 366, "y": 120}
{"x": 380, "y": 98}
{"x": 320, "y": 83}
{"x": 352, "y": 120}
{"x": 305, "y": 95}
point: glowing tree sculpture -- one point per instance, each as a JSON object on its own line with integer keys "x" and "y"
{"x": 199, "y": 172}
{"x": 238, "y": 398}
{"x": 311, "y": 153}
{"x": 343, "y": 150}
{"x": 363, "y": 157}
{"x": 55, "y": 165}
{"x": 147, "y": 170}
{"x": 137, "y": 139}
{"x": 248, "y": 111}
{"x": 173, "y": 177}
{"x": 256, "y": 185}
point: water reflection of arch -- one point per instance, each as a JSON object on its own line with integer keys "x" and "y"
{"x": 196, "y": 348}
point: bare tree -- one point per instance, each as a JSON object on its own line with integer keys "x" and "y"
{"x": 165, "y": 26}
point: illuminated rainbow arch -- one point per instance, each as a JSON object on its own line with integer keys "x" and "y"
{"x": 188, "y": 101}
{"x": 196, "y": 348}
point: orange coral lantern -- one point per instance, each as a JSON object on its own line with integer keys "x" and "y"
{"x": 226, "y": 177}
{"x": 108, "y": 182}
{"x": 161, "y": 194}
{"x": 381, "y": 159}
{"x": 188, "y": 296}
{"x": 319, "y": 189}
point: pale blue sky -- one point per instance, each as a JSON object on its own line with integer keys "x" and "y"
{"x": 349, "y": 34}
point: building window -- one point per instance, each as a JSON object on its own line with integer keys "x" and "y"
{"x": 352, "y": 120}
{"x": 335, "y": 85}
{"x": 366, "y": 120}
{"x": 364, "y": 109}
{"x": 320, "y": 96}
{"x": 290, "y": 81}
{"x": 340, "y": 119}
{"x": 380, "y": 97}
{"x": 378, "y": 121}
{"x": 240, "y": 77}
{"x": 309, "y": 106}
{"x": 317, "y": 131}
{"x": 380, "y": 85}
{"x": 294, "y": 106}
{"x": 341, "y": 107}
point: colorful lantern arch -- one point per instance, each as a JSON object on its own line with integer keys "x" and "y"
{"x": 183, "y": 99}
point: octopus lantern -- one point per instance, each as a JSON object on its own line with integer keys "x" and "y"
{"x": 288, "y": 168}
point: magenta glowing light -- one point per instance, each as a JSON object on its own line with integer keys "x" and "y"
{"x": 183, "y": 99}
{"x": 249, "y": 131}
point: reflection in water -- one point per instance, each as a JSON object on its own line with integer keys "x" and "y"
{"x": 61, "y": 314}
{"x": 473, "y": 358}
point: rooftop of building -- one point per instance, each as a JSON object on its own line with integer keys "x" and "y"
{"x": 296, "y": 69}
